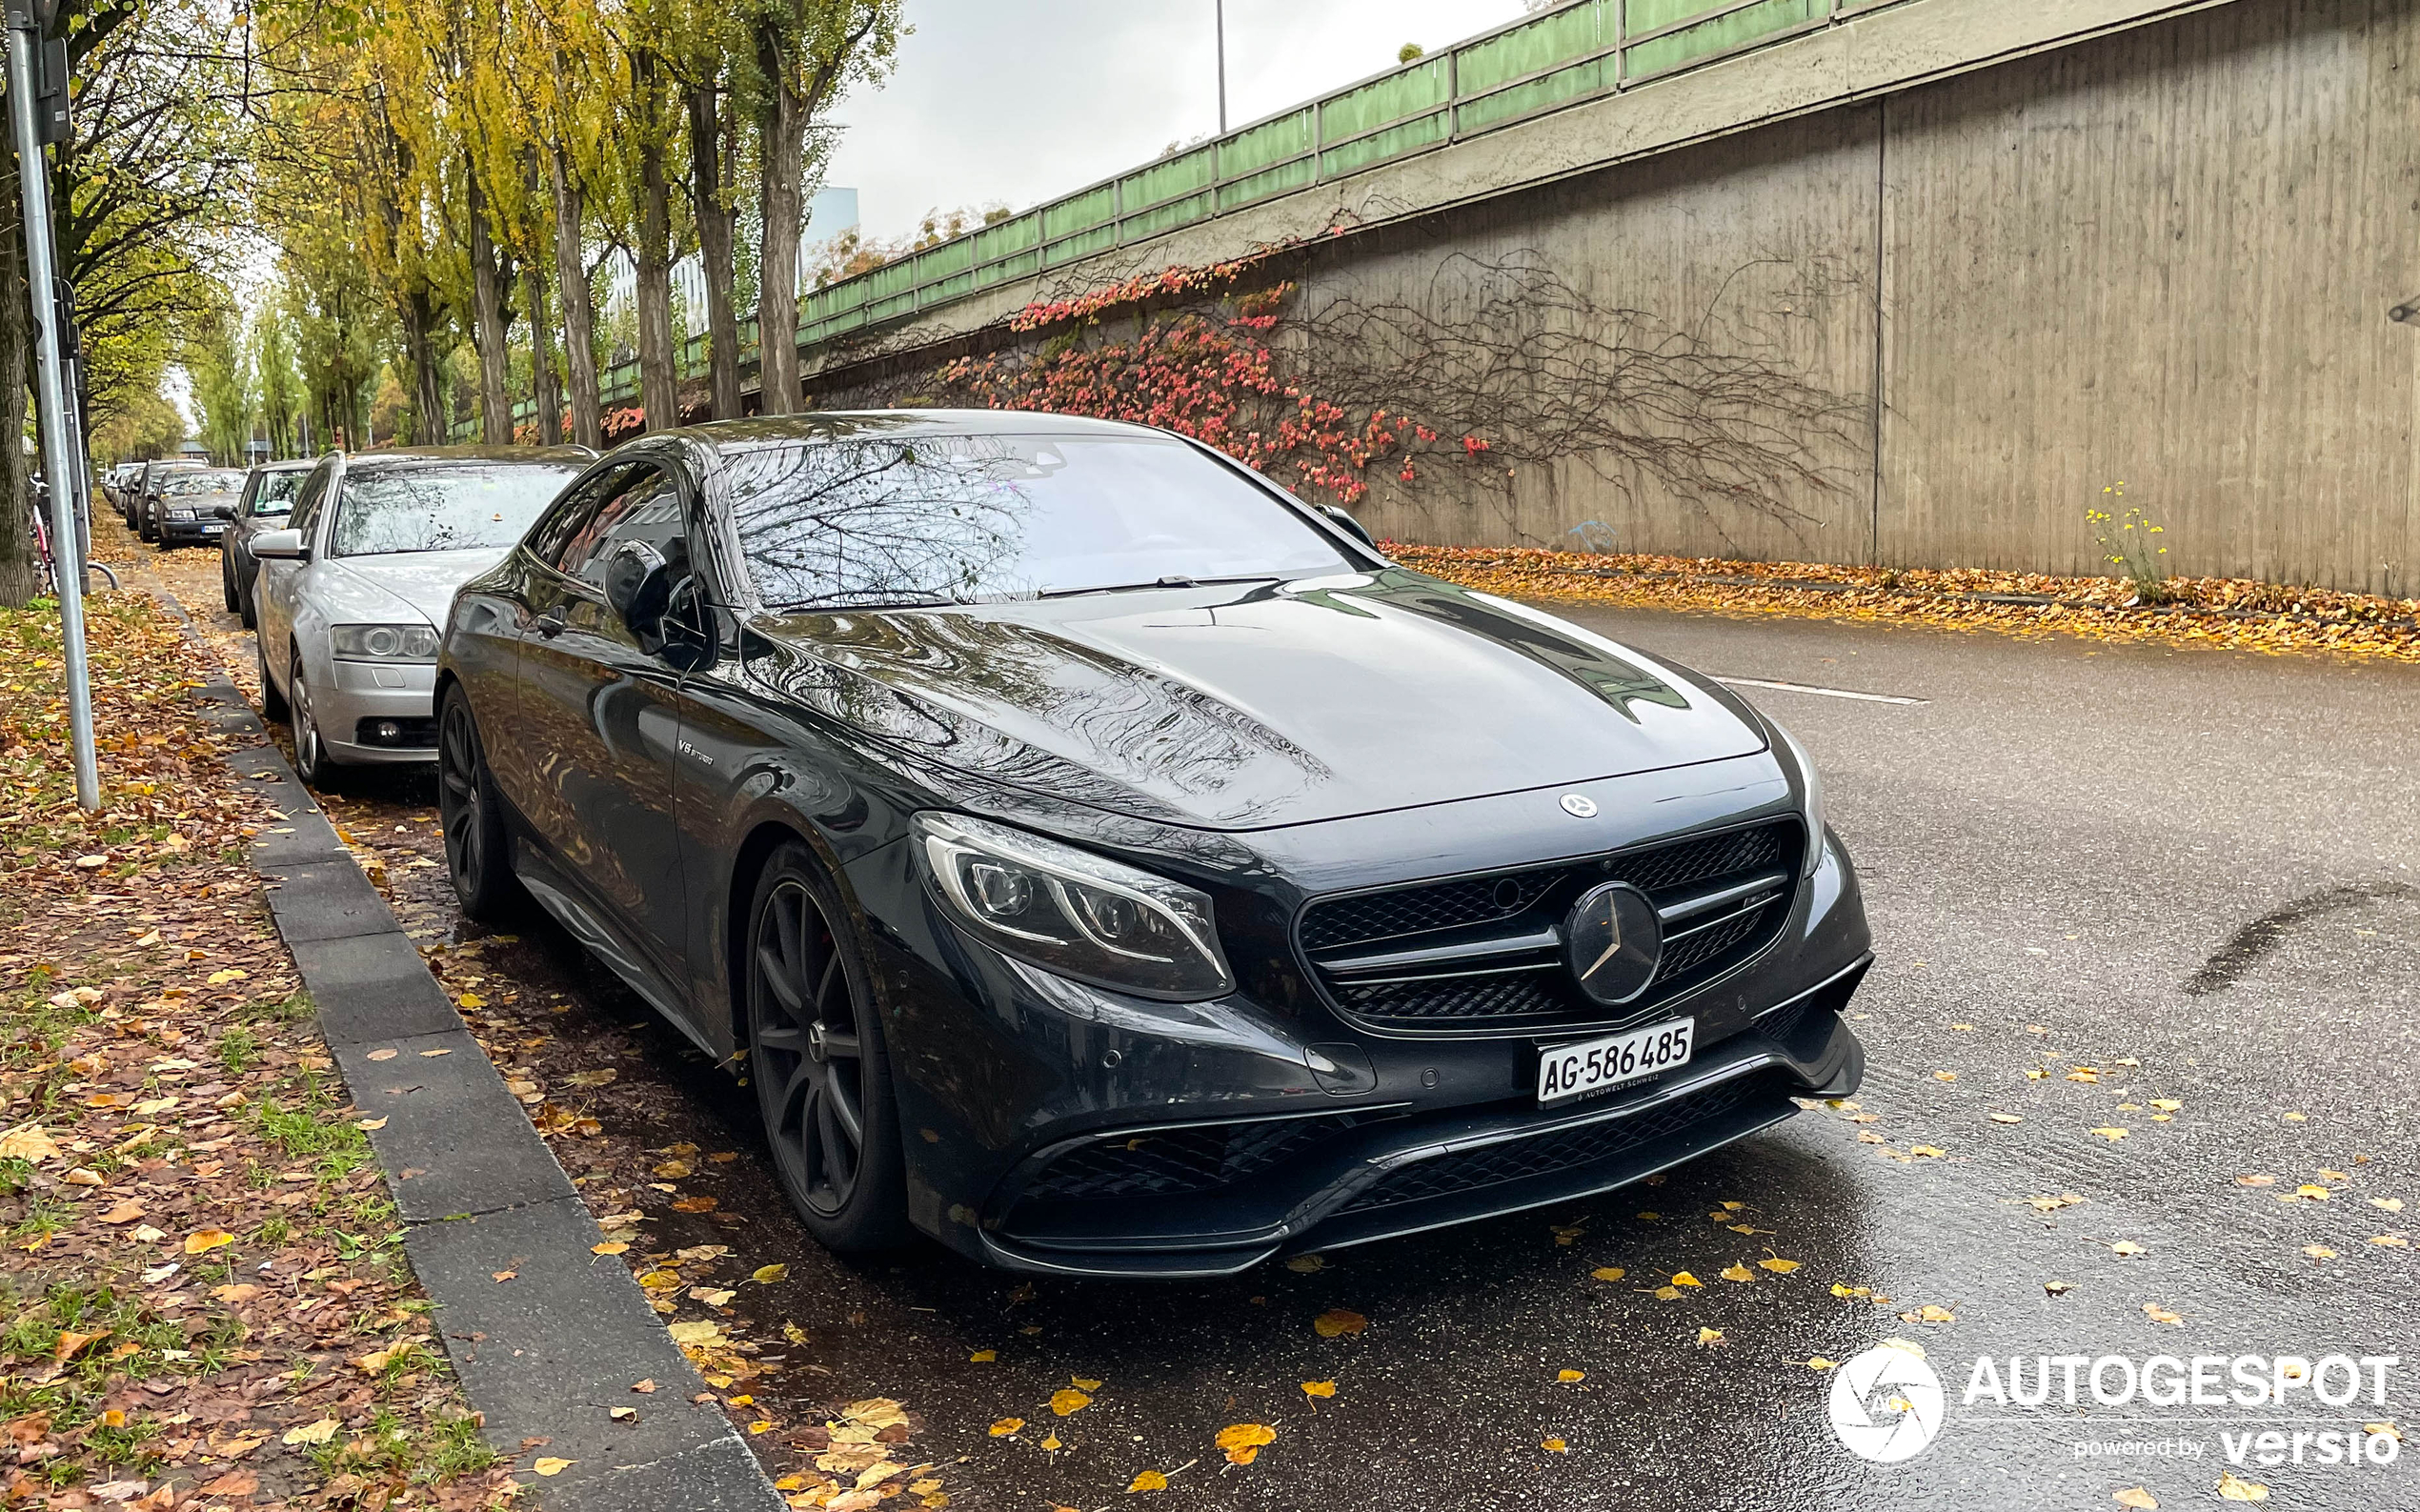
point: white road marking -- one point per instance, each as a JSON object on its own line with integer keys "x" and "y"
{"x": 1821, "y": 693}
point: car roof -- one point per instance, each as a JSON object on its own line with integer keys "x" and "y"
{"x": 839, "y": 425}
{"x": 423, "y": 455}
{"x": 295, "y": 464}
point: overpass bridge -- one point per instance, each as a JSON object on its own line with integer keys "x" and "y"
{"x": 1954, "y": 264}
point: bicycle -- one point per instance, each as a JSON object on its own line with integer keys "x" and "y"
{"x": 45, "y": 561}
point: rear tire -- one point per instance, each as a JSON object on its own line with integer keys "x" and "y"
{"x": 312, "y": 761}
{"x": 478, "y": 852}
{"x": 819, "y": 1064}
{"x": 226, "y": 582}
{"x": 273, "y": 703}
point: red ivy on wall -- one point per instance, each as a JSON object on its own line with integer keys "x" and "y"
{"x": 1215, "y": 377}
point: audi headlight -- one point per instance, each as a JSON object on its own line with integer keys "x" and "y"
{"x": 1814, "y": 784}
{"x": 1072, "y": 912}
{"x": 180, "y": 515}
{"x": 384, "y": 642}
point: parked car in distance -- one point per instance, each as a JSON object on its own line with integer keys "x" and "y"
{"x": 267, "y": 500}
{"x": 145, "y": 494}
{"x": 192, "y": 508}
{"x": 349, "y": 595}
{"x": 1107, "y": 864}
{"x": 113, "y": 483}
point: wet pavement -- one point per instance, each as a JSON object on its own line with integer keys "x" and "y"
{"x": 2166, "y": 892}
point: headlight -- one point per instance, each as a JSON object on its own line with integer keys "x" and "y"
{"x": 1814, "y": 782}
{"x": 385, "y": 642}
{"x": 1074, "y": 912}
{"x": 180, "y": 515}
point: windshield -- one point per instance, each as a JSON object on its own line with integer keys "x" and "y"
{"x": 932, "y": 519}
{"x": 182, "y": 484}
{"x": 277, "y": 490}
{"x": 442, "y": 509}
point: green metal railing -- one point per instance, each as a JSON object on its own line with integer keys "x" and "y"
{"x": 1577, "y": 51}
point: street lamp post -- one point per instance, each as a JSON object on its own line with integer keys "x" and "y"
{"x": 1222, "y": 66}
{"x": 61, "y": 446}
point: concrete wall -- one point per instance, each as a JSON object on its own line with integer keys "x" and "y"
{"x": 2162, "y": 254}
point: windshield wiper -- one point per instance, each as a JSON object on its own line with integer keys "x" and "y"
{"x": 1171, "y": 581}
{"x": 865, "y": 601}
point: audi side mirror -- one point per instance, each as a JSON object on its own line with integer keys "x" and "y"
{"x": 280, "y": 546}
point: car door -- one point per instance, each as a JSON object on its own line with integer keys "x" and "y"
{"x": 275, "y": 589}
{"x": 599, "y": 713}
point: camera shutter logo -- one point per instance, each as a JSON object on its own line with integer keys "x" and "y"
{"x": 1886, "y": 1405}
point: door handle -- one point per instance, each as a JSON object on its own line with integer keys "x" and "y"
{"x": 550, "y": 624}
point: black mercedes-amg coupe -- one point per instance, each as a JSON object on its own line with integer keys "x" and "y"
{"x": 1104, "y": 862}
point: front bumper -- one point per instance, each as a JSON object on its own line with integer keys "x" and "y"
{"x": 361, "y": 696}
{"x": 191, "y": 532}
{"x": 1056, "y": 1129}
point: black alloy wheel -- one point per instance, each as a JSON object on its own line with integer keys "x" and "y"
{"x": 817, "y": 1060}
{"x": 477, "y": 856}
{"x": 226, "y": 582}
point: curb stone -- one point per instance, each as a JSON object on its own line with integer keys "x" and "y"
{"x": 546, "y": 1354}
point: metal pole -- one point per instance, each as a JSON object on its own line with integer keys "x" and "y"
{"x": 1223, "y": 67}
{"x": 58, "y": 448}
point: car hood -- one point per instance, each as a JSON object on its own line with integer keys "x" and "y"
{"x": 1249, "y": 706}
{"x": 424, "y": 581}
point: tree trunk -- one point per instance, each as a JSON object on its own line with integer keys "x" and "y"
{"x": 545, "y": 399}
{"x": 782, "y": 200}
{"x": 715, "y": 224}
{"x": 579, "y": 316}
{"x": 487, "y": 323}
{"x": 428, "y": 384}
{"x": 658, "y": 381}
{"x": 17, "y": 573}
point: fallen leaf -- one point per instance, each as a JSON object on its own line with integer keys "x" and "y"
{"x": 591, "y": 1078}
{"x": 1608, "y": 1272}
{"x": 1318, "y": 1388}
{"x": 1084, "y": 1384}
{"x": 2111, "y": 1135}
{"x": 371, "y": 1126}
{"x": 2390, "y": 1241}
{"x": 1819, "y": 1363}
{"x": 28, "y": 1142}
{"x": 1006, "y": 1426}
{"x": 471, "y": 1000}
{"x": 1777, "y": 1265}
{"x": 1148, "y": 1480}
{"x": 2232, "y": 1489}
{"x": 1685, "y": 1278}
{"x": 623, "y": 1413}
{"x": 431, "y": 1055}
{"x": 235, "y": 1482}
{"x": 2167, "y": 1104}
{"x": 768, "y": 1275}
{"x": 695, "y": 1204}
{"x": 1736, "y": 1272}
{"x": 124, "y": 1212}
{"x": 1668, "y": 1293}
{"x": 612, "y": 1246}
{"x": 1928, "y": 1151}
{"x": 2315, "y": 1193}
{"x": 1553, "y": 1445}
{"x": 2319, "y": 1252}
{"x": 2126, "y": 1248}
{"x": 1306, "y": 1265}
{"x": 2161, "y": 1315}
{"x": 1568, "y": 1376}
{"x": 2084, "y": 1074}
{"x": 319, "y": 1432}
{"x": 2058, "y": 1288}
{"x": 2256, "y": 1180}
{"x": 202, "y": 1241}
{"x": 381, "y": 1055}
{"x": 1337, "y": 1321}
{"x": 645, "y": 1388}
{"x": 2006, "y": 1118}
{"x": 220, "y": 978}
{"x": 713, "y": 1297}
{"x": 1711, "y": 1339}
{"x": 1243, "y": 1441}
{"x": 1929, "y": 1313}
{"x": 551, "y": 1466}
{"x": 2392, "y": 1204}
{"x": 2134, "y": 1496}
{"x": 1067, "y": 1399}
{"x": 982, "y": 1357}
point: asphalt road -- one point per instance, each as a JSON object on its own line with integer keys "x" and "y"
{"x": 2190, "y": 872}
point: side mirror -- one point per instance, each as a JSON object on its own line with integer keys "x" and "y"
{"x": 1353, "y": 527}
{"x": 224, "y": 512}
{"x": 639, "y": 584}
{"x": 280, "y": 546}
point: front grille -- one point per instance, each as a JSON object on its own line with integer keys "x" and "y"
{"x": 1534, "y": 990}
{"x": 1174, "y": 1162}
{"x": 1545, "y": 1154}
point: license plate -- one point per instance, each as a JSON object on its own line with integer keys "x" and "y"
{"x": 1595, "y": 1065}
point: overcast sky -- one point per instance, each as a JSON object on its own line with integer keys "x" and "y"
{"x": 1018, "y": 101}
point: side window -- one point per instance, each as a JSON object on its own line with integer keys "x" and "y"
{"x": 571, "y": 515}
{"x": 308, "y": 502}
{"x": 647, "y": 509}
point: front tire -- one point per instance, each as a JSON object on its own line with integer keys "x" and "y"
{"x": 312, "y": 760}
{"x": 819, "y": 1064}
{"x": 477, "y": 854}
{"x": 227, "y": 583}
